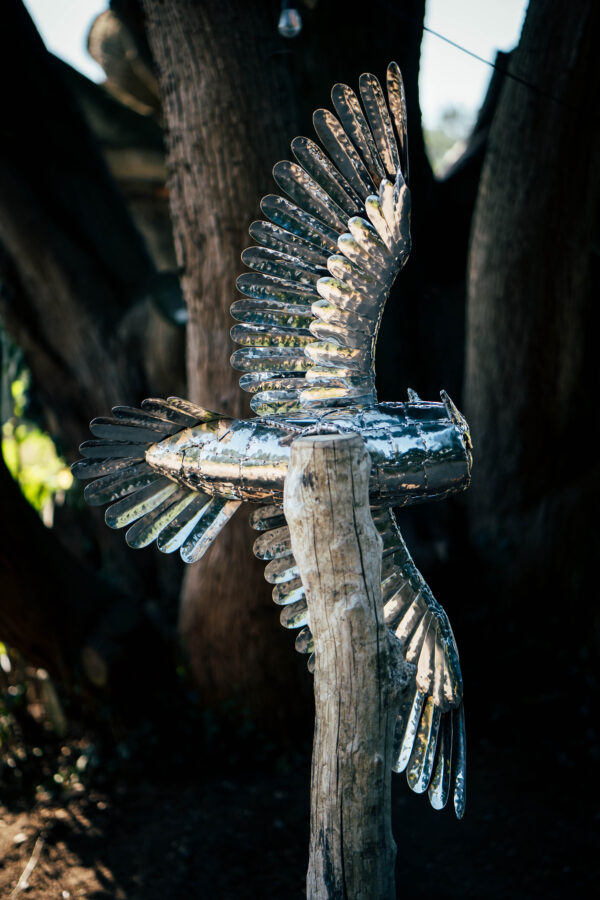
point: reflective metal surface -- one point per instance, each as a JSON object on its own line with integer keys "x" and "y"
{"x": 418, "y": 452}
{"x": 307, "y": 325}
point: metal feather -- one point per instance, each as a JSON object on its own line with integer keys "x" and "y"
{"x": 131, "y": 416}
{"x": 295, "y": 220}
{"x": 167, "y": 410}
{"x": 273, "y": 543}
{"x": 295, "y": 615}
{"x": 459, "y": 761}
{"x": 139, "y": 503}
{"x": 270, "y": 335}
{"x": 343, "y": 153}
{"x": 281, "y": 265}
{"x": 262, "y": 359}
{"x": 112, "y": 487}
{"x": 97, "y": 468}
{"x": 353, "y": 120}
{"x": 114, "y": 429}
{"x": 212, "y": 520}
{"x": 439, "y": 786}
{"x": 304, "y": 641}
{"x": 176, "y": 531}
{"x": 100, "y": 449}
{"x": 420, "y": 764}
{"x": 288, "y": 592}
{"x": 261, "y": 286}
{"x": 311, "y": 157}
{"x": 301, "y": 188}
{"x": 270, "y": 235}
{"x": 272, "y": 312}
{"x": 397, "y": 104}
{"x": 148, "y": 528}
{"x": 265, "y": 518}
{"x": 259, "y": 381}
{"x": 380, "y": 122}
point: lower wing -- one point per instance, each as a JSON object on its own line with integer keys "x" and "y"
{"x": 429, "y": 742}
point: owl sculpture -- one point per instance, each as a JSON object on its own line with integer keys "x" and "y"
{"x": 311, "y": 305}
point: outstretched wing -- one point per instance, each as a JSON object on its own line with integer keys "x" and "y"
{"x": 429, "y": 742}
{"x": 313, "y": 302}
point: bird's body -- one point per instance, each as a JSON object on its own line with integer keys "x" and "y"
{"x": 308, "y": 321}
{"x": 419, "y": 451}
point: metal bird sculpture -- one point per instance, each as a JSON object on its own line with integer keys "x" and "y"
{"x": 175, "y": 473}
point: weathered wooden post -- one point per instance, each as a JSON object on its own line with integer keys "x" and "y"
{"x": 358, "y": 676}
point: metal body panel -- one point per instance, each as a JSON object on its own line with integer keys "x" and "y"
{"x": 419, "y": 451}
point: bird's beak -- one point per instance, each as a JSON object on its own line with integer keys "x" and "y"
{"x": 461, "y": 423}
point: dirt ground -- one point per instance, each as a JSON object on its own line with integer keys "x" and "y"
{"x": 529, "y": 835}
{"x": 223, "y": 839}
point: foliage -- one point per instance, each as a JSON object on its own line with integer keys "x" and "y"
{"x": 29, "y": 452}
{"x": 446, "y": 141}
{"x": 37, "y": 758}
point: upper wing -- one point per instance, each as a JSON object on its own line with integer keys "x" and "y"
{"x": 314, "y": 300}
{"x": 429, "y": 741}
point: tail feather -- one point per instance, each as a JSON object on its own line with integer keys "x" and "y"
{"x": 155, "y": 421}
{"x": 115, "y": 429}
{"x": 155, "y": 507}
{"x": 119, "y": 484}
{"x": 213, "y": 518}
{"x": 149, "y": 527}
{"x": 102, "y": 449}
{"x": 177, "y": 530}
{"x": 98, "y": 468}
{"x": 142, "y": 501}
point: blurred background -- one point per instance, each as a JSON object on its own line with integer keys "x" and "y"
{"x": 156, "y": 724}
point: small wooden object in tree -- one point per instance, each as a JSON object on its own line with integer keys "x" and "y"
{"x": 359, "y": 673}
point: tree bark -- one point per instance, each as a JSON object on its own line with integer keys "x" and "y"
{"x": 531, "y": 367}
{"x": 234, "y": 94}
{"x": 338, "y": 552}
{"x": 229, "y": 117}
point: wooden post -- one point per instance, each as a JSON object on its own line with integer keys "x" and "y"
{"x": 338, "y": 552}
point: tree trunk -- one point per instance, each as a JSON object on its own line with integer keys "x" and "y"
{"x": 229, "y": 118}
{"x": 234, "y": 94}
{"x": 531, "y": 368}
